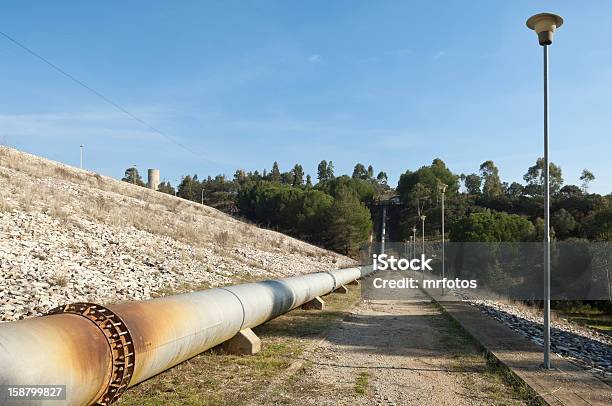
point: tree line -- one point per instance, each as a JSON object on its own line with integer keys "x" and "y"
{"x": 331, "y": 212}
{"x": 340, "y": 212}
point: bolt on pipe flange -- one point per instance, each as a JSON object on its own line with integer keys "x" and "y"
{"x": 119, "y": 340}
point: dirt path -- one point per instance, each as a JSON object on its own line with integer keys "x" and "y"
{"x": 394, "y": 353}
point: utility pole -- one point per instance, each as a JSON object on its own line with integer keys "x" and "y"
{"x": 544, "y": 25}
{"x": 81, "y": 148}
{"x": 202, "y": 196}
{"x": 134, "y": 174}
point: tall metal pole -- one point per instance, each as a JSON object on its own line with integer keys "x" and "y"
{"x": 545, "y": 24}
{"x": 81, "y": 148}
{"x": 546, "y": 220}
{"x": 410, "y": 248}
{"x": 382, "y": 231}
{"x": 412, "y": 252}
{"x": 202, "y": 196}
{"x": 414, "y": 240}
{"x": 423, "y": 234}
{"x": 442, "y": 235}
{"x": 443, "y": 195}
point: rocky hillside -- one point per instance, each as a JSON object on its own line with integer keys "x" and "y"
{"x": 70, "y": 235}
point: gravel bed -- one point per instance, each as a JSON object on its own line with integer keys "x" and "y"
{"x": 581, "y": 345}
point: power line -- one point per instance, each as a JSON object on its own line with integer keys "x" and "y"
{"x": 103, "y": 97}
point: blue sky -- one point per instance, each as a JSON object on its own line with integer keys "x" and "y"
{"x": 241, "y": 84}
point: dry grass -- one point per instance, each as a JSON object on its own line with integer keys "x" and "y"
{"x": 247, "y": 231}
{"x": 8, "y": 158}
{"x": 277, "y": 242}
{"x": 361, "y": 383}
{"x": 101, "y": 204}
{"x": 224, "y": 238}
{"x": 58, "y": 208}
{"x": 26, "y": 199}
{"x": 59, "y": 279}
{"x": 5, "y": 205}
{"x": 64, "y": 173}
{"x": 187, "y": 233}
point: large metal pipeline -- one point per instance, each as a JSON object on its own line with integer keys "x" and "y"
{"x": 98, "y": 352}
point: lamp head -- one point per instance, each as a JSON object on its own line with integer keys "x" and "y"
{"x": 423, "y": 218}
{"x": 545, "y": 24}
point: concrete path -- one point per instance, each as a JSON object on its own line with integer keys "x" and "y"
{"x": 396, "y": 353}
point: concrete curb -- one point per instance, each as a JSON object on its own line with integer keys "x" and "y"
{"x": 533, "y": 397}
{"x": 520, "y": 358}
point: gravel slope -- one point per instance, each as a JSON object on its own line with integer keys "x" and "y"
{"x": 70, "y": 235}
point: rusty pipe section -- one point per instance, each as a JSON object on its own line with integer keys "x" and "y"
{"x": 98, "y": 352}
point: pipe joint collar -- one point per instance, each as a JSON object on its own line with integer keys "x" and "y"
{"x": 334, "y": 278}
{"x": 119, "y": 340}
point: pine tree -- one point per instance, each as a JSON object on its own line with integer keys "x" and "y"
{"x": 308, "y": 182}
{"x": 275, "y": 174}
{"x": 370, "y": 172}
{"x": 298, "y": 175}
{"x": 131, "y": 175}
{"x": 360, "y": 172}
{"x": 322, "y": 174}
{"x": 349, "y": 223}
{"x": 330, "y": 170}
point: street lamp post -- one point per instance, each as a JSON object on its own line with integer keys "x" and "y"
{"x": 202, "y": 196}
{"x": 544, "y": 25}
{"x": 410, "y": 248}
{"x": 414, "y": 230}
{"x": 81, "y": 149}
{"x": 443, "y": 190}
{"x": 382, "y": 231}
{"x": 412, "y": 252}
{"x": 423, "y": 233}
{"x": 134, "y": 175}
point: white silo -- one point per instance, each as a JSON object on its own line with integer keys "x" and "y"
{"x": 153, "y": 182}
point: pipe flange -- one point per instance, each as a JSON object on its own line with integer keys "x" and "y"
{"x": 119, "y": 340}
